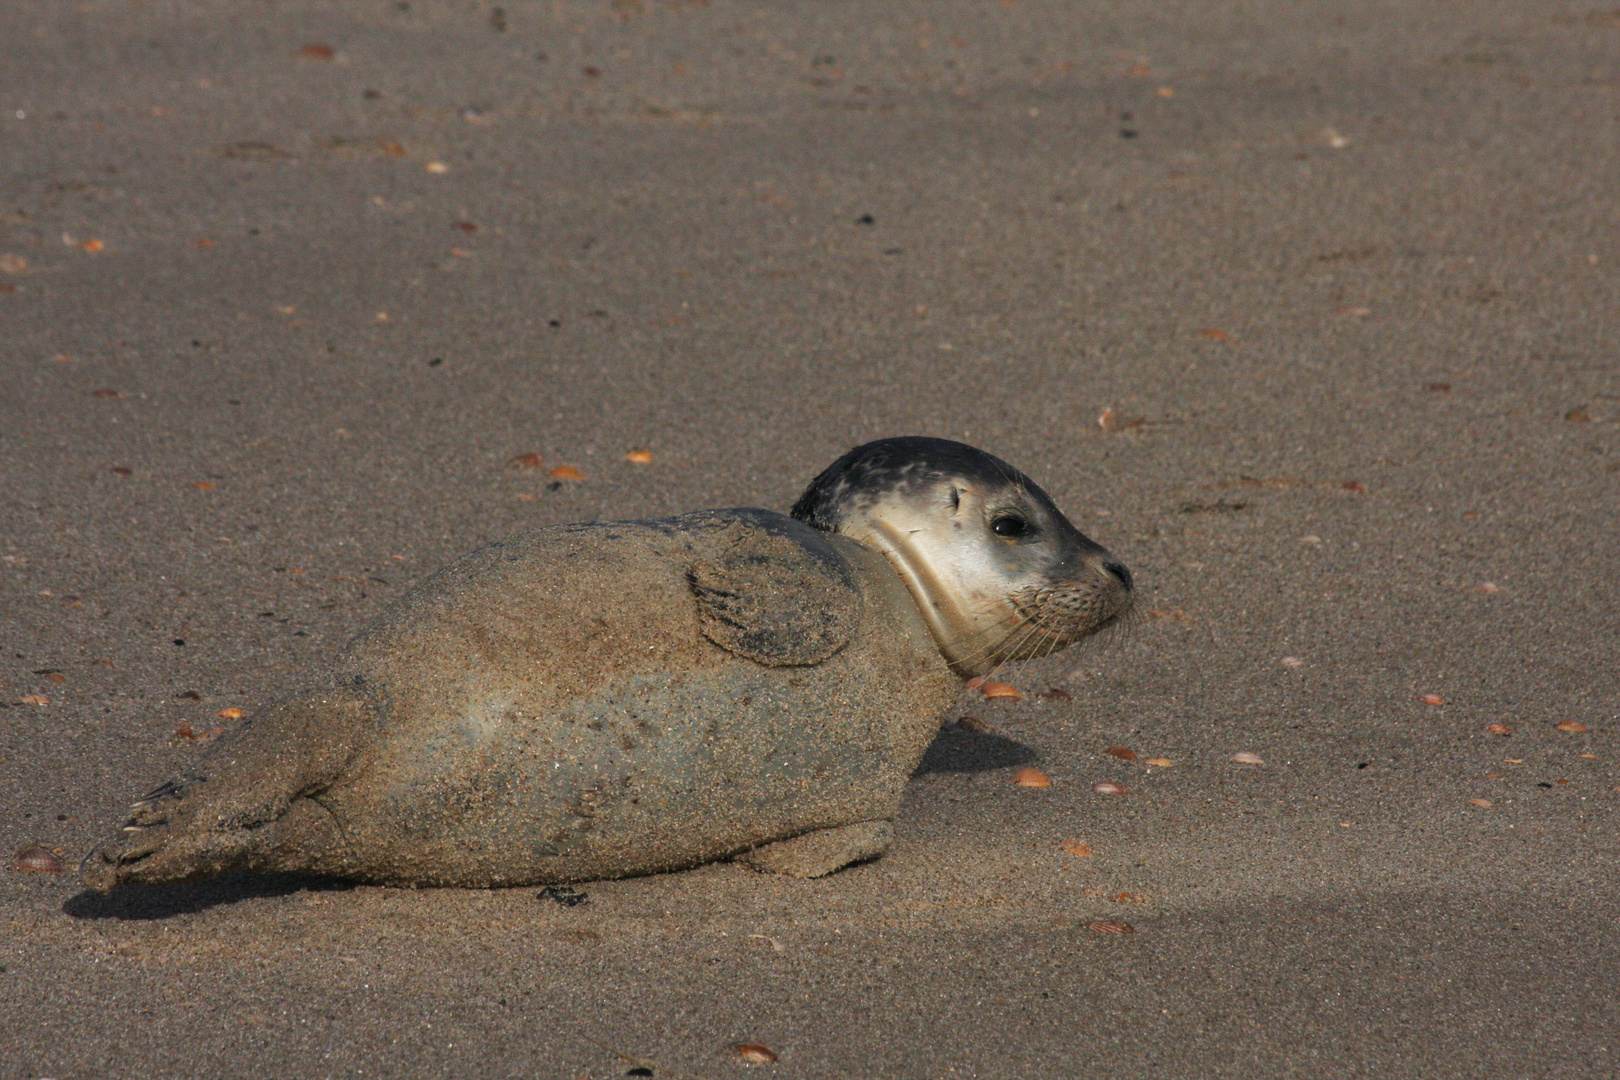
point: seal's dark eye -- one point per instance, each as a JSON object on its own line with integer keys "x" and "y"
{"x": 1010, "y": 525}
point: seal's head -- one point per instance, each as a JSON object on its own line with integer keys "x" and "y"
{"x": 995, "y": 567}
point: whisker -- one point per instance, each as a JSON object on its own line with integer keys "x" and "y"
{"x": 1039, "y": 626}
{"x": 985, "y": 632}
{"x": 1053, "y": 641}
{"x": 994, "y": 648}
{"x": 1014, "y": 625}
{"x": 1028, "y": 632}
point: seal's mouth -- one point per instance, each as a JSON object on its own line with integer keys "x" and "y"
{"x": 1075, "y": 609}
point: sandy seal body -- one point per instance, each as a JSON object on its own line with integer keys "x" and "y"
{"x": 589, "y": 701}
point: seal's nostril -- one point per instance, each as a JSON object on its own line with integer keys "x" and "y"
{"x": 1120, "y": 572}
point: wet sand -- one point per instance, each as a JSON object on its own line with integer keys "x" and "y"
{"x": 1307, "y": 312}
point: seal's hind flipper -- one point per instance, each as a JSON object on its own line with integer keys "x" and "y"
{"x": 247, "y": 807}
{"x": 818, "y": 853}
{"x": 774, "y": 596}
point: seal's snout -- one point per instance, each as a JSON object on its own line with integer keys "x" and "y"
{"x": 1114, "y": 589}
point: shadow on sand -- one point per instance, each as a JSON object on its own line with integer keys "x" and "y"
{"x": 959, "y": 749}
{"x": 141, "y": 902}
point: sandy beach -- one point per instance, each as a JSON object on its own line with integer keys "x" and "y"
{"x": 1308, "y": 311}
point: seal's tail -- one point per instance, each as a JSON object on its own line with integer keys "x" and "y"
{"x": 252, "y": 803}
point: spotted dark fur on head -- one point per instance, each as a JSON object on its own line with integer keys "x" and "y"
{"x": 906, "y": 465}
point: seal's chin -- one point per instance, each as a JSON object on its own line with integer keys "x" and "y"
{"x": 1037, "y": 621}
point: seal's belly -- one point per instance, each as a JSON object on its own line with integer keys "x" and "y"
{"x": 663, "y": 772}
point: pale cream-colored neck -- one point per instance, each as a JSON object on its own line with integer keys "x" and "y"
{"x": 951, "y": 629}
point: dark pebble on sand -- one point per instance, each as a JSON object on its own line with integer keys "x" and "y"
{"x": 564, "y": 895}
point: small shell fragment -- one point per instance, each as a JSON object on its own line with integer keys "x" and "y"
{"x": 1124, "y": 753}
{"x": 1291, "y": 661}
{"x": 1571, "y": 725}
{"x": 232, "y": 713}
{"x": 1498, "y": 729}
{"x": 186, "y": 731}
{"x": 37, "y": 859}
{"x": 640, "y": 457}
{"x": 1031, "y": 778}
{"x": 1110, "y": 926}
{"x": 1108, "y": 787}
{"x": 754, "y": 1053}
{"x": 1078, "y": 848}
{"x": 1248, "y": 757}
{"x": 1161, "y": 762}
{"x": 994, "y": 689}
{"x": 35, "y": 699}
{"x": 1480, "y": 802}
{"x": 566, "y": 472}
{"x": 525, "y": 461}
{"x": 1432, "y": 699}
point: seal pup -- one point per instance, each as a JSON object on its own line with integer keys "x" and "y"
{"x": 620, "y": 698}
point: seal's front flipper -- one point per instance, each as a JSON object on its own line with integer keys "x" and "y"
{"x": 777, "y": 592}
{"x": 821, "y": 852}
